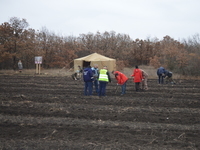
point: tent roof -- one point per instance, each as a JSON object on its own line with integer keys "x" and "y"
{"x": 95, "y": 57}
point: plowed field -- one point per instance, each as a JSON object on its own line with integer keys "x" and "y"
{"x": 39, "y": 112}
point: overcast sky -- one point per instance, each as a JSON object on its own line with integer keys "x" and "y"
{"x": 138, "y": 18}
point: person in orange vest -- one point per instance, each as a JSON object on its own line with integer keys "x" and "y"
{"x": 121, "y": 80}
{"x": 137, "y": 77}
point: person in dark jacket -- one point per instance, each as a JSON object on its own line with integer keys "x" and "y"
{"x": 161, "y": 74}
{"x": 168, "y": 75}
{"x": 104, "y": 78}
{"x": 88, "y": 79}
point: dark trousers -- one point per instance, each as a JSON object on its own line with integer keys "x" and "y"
{"x": 88, "y": 88}
{"x": 102, "y": 88}
{"x": 123, "y": 87}
{"x": 137, "y": 86}
{"x": 96, "y": 85}
{"x": 160, "y": 79}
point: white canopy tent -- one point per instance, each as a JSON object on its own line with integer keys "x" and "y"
{"x": 93, "y": 59}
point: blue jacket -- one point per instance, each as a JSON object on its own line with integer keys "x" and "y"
{"x": 87, "y": 75}
{"x": 160, "y": 71}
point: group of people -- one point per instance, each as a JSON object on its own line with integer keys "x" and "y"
{"x": 139, "y": 78}
{"x": 100, "y": 78}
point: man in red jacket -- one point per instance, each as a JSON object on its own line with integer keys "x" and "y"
{"x": 137, "y": 74}
{"x": 121, "y": 80}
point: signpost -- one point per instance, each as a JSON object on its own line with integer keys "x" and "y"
{"x": 38, "y": 62}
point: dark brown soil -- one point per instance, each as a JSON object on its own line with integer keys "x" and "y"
{"x": 44, "y": 113}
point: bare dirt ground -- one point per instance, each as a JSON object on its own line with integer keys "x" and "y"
{"x": 50, "y": 112}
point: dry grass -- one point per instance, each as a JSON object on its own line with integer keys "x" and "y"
{"x": 68, "y": 72}
{"x": 43, "y": 72}
{"x": 148, "y": 69}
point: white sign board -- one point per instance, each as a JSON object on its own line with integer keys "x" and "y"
{"x": 38, "y": 60}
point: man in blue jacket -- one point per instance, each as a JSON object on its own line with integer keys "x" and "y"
{"x": 161, "y": 74}
{"x": 88, "y": 79}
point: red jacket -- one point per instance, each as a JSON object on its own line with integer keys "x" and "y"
{"x": 137, "y": 74}
{"x": 120, "y": 77}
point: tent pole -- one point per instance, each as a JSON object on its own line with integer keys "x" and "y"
{"x": 66, "y": 65}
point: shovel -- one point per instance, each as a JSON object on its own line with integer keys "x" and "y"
{"x": 116, "y": 89}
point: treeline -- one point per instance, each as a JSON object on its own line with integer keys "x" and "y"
{"x": 18, "y": 42}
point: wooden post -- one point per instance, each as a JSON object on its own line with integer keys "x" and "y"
{"x": 39, "y": 68}
{"x": 38, "y": 62}
{"x": 36, "y": 71}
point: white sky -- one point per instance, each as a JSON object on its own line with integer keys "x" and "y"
{"x": 137, "y": 18}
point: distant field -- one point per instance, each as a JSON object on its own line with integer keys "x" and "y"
{"x": 68, "y": 72}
